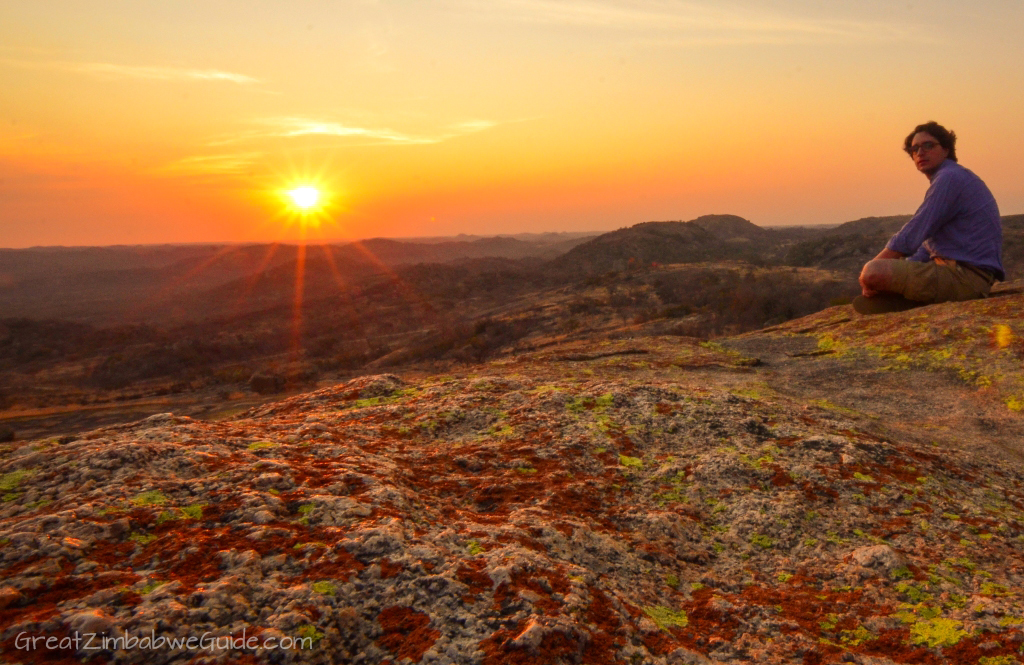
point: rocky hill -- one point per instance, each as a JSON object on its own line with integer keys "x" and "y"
{"x": 732, "y": 228}
{"x": 833, "y": 489}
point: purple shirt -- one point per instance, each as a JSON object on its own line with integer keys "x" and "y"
{"x": 958, "y": 220}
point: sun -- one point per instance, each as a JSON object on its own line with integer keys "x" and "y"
{"x": 305, "y": 198}
{"x": 309, "y": 200}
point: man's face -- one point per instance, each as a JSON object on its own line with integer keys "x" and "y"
{"x": 927, "y": 153}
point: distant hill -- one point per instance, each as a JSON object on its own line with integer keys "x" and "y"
{"x": 161, "y": 282}
{"x": 732, "y": 228}
{"x": 848, "y": 246}
{"x": 706, "y": 238}
{"x": 643, "y": 244}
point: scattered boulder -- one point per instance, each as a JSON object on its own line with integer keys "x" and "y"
{"x": 878, "y": 556}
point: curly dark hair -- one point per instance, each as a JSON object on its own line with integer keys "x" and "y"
{"x": 945, "y": 137}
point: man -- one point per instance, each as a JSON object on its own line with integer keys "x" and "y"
{"x": 952, "y": 247}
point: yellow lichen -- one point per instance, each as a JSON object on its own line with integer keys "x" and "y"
{"x": 937, "y": 632}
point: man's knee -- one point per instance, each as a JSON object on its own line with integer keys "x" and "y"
{"x": 877, "y": 275}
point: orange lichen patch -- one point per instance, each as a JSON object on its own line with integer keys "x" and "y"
{"x": 705, "y": 621}
{"x": 389, "y": 569}
{"x": 891, "y": 527}
{"x": 808, "y": 606}
{"x": 579, "y": 500}
{"x": 506, "y": 497}
{"x": 979, "y": 521}
{"x": 525, "y": 541}
{"x": 109, "y": 554}
{"x": 499, "y": 650}
{"x": 780, "y": 478}
{"x": 406, "y": 632}
{"x": 470, "y": 573}
{"x": 895, "y": 645}
{"x": 43, "y": 655}
{"x": 921, "y": 507}
{"x": 621, "y": 439}
{"x": 313, "y": 473}
{"x": 813, "y": 491}
{"x": 340, "y": 566}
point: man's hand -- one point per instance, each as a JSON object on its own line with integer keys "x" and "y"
{"x": 874, "y": 277}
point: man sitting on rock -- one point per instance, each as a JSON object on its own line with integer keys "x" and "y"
{"x": 952, "y": 247}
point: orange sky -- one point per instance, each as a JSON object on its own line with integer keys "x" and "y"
{"x": 143, "y": 121}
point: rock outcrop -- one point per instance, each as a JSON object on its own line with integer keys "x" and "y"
{"x": 646, "y": 500}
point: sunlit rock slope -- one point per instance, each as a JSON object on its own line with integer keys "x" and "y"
{"x": 803, "y": 494}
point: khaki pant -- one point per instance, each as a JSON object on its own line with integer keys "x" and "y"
{"x": 939, "y": 280}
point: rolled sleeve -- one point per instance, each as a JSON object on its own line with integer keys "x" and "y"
{"x": 922, "y": 255}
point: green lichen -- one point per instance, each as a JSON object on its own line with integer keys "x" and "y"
{"x": 863, "y": 477}
{"x": 672, "y": 580}
{"x": 142, "y": 538}
{"x": 857, "y": 636}
{"x": 992, "y": 589}
{"x": 901, "y": 573}
{"x": 261, "y": 445}
{"x": 937, "y": 632}
{"x": 960, "y": 561}
{"x": 762, "y": 541}
{"x": 956, "y": 601}
{"x": 526, "y": 469}
{"x": 784, "y": 577}
{"x": 310, "y": 632}
{"x": 370, "y": 401}
{"x": 913, "y": 593}
{"x": 998, "y": 660}
{"x": 830, "y": 344}
{"x": 150, "y": 498}
{"x": 501, "y": 431}
{"x": 325, "y": 587}
{"x": 666, "y": 617}
{"x": 193, "y": 512}
{"x": 306, "y": 508}
{"x": 631, "y": 462}
{"x": 152, "y": 586}
{"x": 474, "y": 547}
{"x": 165, "y": 516}
{"x": 10, "y": 481}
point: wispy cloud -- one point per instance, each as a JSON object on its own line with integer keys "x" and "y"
{"x": 295, "y": 127}
{"x": 114, "y": 71}
{"x": 226, "y": 164}
{"x": 669, "y": 21}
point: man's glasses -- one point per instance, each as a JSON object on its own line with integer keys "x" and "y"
{"x": 926, "y": 145}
